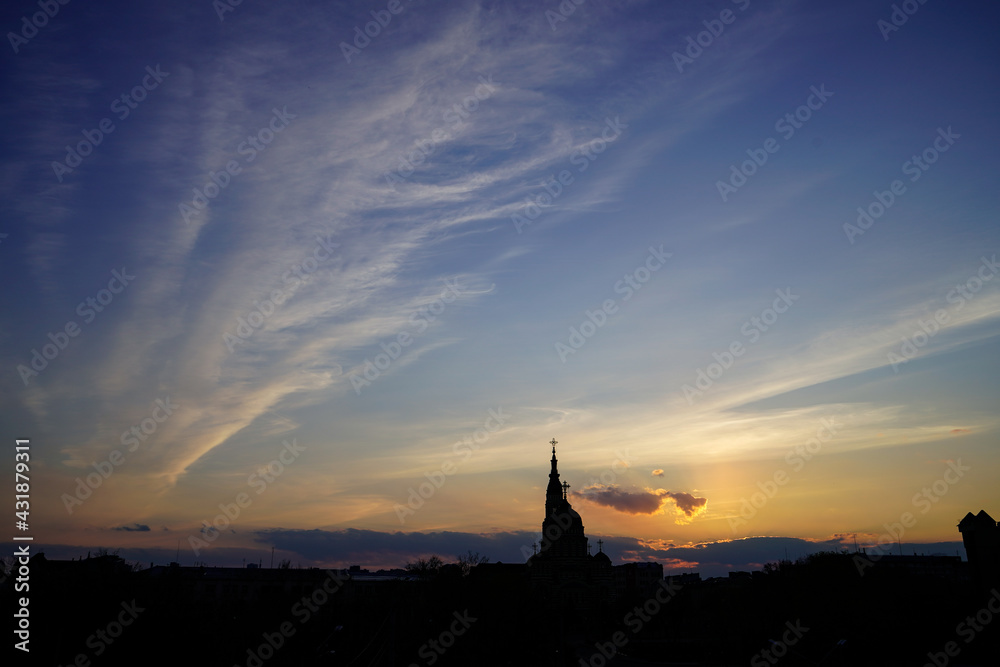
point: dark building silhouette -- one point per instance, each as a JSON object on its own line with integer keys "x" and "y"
{"x": 563, "y": 570}
{"x": 637, "y": 580}
{"x": 981, "y": 536}
{"x": 950, "y": 568}
{"x": 684, "y": 579}
{"x": 535, "y": 614}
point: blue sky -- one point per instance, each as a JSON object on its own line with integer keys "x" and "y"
{"x": 456, "y": 194}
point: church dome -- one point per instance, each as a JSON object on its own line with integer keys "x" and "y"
{"x": 576, "y": 521}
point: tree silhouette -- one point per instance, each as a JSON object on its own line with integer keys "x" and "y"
{"x": 425, "y": 567}
{"x": 470, "y": 560}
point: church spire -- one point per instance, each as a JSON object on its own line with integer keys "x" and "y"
{"x": 554, "y": 492}
{"x": 562, "y": 527}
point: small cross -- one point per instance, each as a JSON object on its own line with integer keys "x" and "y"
{"x": 553, "y": 443}
{"x": 600, "y": 545}
{"x": 565, "y": 485}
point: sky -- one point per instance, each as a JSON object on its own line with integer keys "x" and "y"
{"x": 327, "y": 278}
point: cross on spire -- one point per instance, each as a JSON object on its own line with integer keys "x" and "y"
{"x": 600, "y": 545}
{"x": 565, "y": 485}
{"x": 554, "y": 442}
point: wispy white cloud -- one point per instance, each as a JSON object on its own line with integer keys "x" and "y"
{"x": 324, "y": 175}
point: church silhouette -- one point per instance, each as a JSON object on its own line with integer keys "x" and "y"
{"x": 563, "y": 571}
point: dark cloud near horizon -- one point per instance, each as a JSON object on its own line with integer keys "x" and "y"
{"x": 374, "y": 549}
{"x": 751, "y": 553}
{"x": 134, "y": 528}
{"x": 360, "y": 546}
